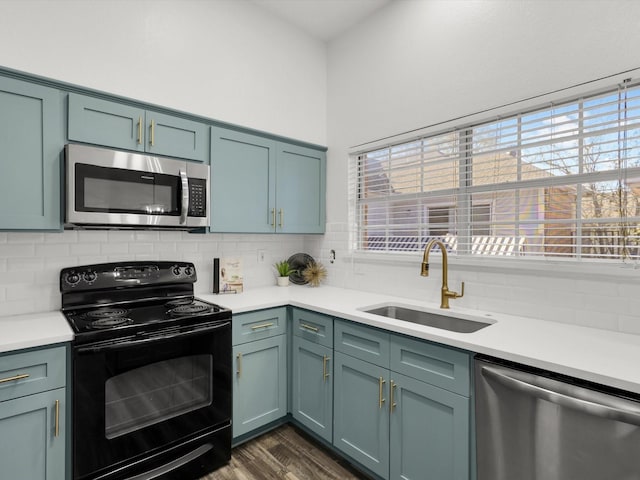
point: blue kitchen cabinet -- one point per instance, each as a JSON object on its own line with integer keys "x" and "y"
{"x": 32, "y": 140}
{"x": 242, "y": 174}
{"x": 260, "y": 369}
{"x": 33, "y": 409}
{"x": 361, "y": 415}
{"x": 429, "y": 431}
{"x": 300, "y": 189}
{"x": 259, "y": 185}
{"x": 401, "y": 405}
{"x": 118, "y": 125}
{"x": 312, "y": 379}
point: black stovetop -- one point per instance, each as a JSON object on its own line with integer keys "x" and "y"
{"x": 117, "y": 300}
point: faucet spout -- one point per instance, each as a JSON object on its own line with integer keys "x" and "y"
{"x": 445, "y": 293}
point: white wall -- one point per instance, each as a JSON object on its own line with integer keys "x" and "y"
{"x": 225, "y": 59}
{"x": 420, "y": 62}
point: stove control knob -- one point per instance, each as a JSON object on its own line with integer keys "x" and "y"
{"x": 72, "y": 278}
{"x": 90, "y": 276}
{"x": 188, "y": 271}
{"x": 176, "y": 270}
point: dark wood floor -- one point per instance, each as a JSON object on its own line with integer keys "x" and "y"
{"x": 284, "y": 453}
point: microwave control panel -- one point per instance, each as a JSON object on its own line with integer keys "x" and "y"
{"x": 197, "y": 197}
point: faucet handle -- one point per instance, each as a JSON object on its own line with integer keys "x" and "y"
{"x": 461, "y": 294}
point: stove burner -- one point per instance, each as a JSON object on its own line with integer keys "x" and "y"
{"x": 110, "y": 322}
{"x": 104, "y": 313}
{"x": 189, "y": 309}
{"x": 179, "y": 302}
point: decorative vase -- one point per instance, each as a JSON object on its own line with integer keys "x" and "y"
{"x": 283, "y": 281}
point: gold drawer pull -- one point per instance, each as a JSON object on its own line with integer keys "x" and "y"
{"x": 381, "y": 400}
{"x": 239, "y": 371}
{"x": 281, "y": 217}
{"x": 12, "y": 379}
{"x": 262, "y": 325}
{"x": 57, "y": 432}
{"x": 325, "y": 373}
{"x": 309, "y": 327}
{"x": 140, "y": 130}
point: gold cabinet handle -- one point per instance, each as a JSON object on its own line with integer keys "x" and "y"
{"x": 309, "y": 327}
{"x": 263, "y": 325}
{"x": 381, "y": 400}
{"x": 152, "y": 136}
{"x": 140, "y": 130}
{"x": 57, "y": 428}
{"x": 392, "y": 403}
{"x": 273, "y": 217}
{"x": 14, "y": 378}
{"x": 239, "y": 360}
{"x": 281, "y": 214}
{"x": 325, "y": 372}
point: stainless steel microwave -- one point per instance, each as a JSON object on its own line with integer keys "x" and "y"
{"x": 113, "y": 189}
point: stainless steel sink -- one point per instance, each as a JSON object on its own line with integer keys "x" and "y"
{"x": 429, "y": 319}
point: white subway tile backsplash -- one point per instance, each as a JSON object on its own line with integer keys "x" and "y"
{"x": 52, "y": 250}
{"x": 10, "y": 250}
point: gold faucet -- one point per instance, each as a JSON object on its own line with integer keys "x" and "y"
{"x": 445, "y": 293}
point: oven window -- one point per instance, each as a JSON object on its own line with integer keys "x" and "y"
{"x": 154, "y": 393}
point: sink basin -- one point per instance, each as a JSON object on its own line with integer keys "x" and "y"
{"x": 428, "y": 319}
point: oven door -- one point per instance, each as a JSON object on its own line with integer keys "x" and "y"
{"x": 134, "y": 399}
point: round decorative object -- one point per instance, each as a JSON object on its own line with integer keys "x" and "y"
{"x": 298, "y": 262}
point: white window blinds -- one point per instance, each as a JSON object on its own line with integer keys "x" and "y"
{"x": 560, "y": 181}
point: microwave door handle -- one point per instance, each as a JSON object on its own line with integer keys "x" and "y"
{"x": 184, "y": 207}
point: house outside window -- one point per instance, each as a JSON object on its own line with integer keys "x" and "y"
{"x": 562, "y": 181}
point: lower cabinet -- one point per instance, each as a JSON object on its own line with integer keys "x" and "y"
{"x": 312, "y": 387}
{"x": 33, "y": 436}
{"x": 260, "y": 376}
{"x": 397, "y": 426}
{"x": 33, "y": 414}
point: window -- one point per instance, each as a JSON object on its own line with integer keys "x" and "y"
{"x": 561, "y": 181}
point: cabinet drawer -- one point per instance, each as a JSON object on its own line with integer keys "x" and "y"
{"x": 247, "y": 327}
{"x": 362, "y": 342}
{"x": 315, "y": 327}
{"x": 440, "y": 366}
{"x": 32, "y": 372}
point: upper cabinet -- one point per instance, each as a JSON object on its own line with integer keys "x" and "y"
{"x": 117, "y": 125}
{"x": 263, "y": 186}
{"x": 31, "y": 145}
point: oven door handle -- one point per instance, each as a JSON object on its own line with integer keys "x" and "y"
{"x": 118, "y": 345}
{"x": 175, "y": 464}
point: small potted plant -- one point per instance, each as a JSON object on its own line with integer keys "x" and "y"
{"x": 284, "y": 270}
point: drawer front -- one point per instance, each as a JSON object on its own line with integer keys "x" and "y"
{"x": 362, "y": 342}
{"x": 32, "y": 372}
{"x": 315, "y": 327}
{"x": 440, "y": 366}
{"x": 247, "y": 327}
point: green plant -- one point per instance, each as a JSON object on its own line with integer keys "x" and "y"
{"x": 284, "y": 269}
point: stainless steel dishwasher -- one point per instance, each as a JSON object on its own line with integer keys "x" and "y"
{"x": 535, "y": 425}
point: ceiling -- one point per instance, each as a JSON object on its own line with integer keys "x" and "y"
{"x": 323, "y": 19}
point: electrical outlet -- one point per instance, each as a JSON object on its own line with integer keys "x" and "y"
{"x": 261, "y": 256}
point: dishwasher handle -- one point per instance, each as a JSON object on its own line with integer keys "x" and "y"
{"x": 578, "y": 398}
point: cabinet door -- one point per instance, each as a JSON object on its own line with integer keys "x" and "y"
{"x": 176, "y": 137}
{"x": 242, "y": 182}
{"x": 361, "y": 412}
{"x": 429, "y": 432}
{"x": 260, "y": 383}
{"x": 32, "y": 141}
{"x": 110, "y": 124}
{"x": 29, "y": 446}
{"x": 312, "y": 387}
{"x": 300, "y": 197}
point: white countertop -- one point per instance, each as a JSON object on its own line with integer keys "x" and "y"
{"x": 33, "y": 330}
{"x": 600, "y": 356}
